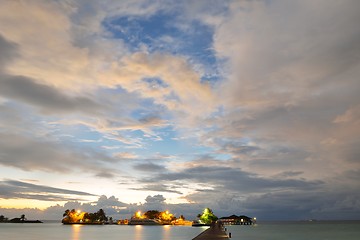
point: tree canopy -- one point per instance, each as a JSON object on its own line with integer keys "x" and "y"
{"x": 84, "y": 217}
{"x": 207, "y": 216}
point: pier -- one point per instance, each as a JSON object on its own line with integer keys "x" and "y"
{"x": 215, "y": 232}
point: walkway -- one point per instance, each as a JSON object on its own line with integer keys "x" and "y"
{"x": 215, "y": 232}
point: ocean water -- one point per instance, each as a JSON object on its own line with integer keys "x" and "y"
{"x": 349, "y": 230}
{"x": 57, "y": 231}
{"x": 314, "y": 230}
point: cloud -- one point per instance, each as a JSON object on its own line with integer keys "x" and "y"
{"x": 288, "y": 87}
{"x": 125, "y": 155}
{"x": 111, "y": 201}
{"x": 8, "y": 52}
{"x": 49, "y": 99}
{"x": 155, "y": 199}
{"x": 185, "y": 93}
{"x": 13, "y": 189}
{"x": 107, "y": 68}
{"x": 169, "y": 188}
{"x": 149, "y": 167}
{"x": 30, "y": 154}
{"x": 233, "y": 179}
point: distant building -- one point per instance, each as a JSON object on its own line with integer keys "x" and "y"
{"x": 236, "y": 220}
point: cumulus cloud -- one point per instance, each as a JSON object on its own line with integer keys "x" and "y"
{"x": 87, "y": 72}
{"x": 290, "y": 86}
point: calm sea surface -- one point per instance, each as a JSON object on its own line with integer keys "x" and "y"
{"x": 262, "y": 231}
{"x": 318, "y": 230}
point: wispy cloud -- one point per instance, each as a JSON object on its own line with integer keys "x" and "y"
{"x": 13, "y": 189}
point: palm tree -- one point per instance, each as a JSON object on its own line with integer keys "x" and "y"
{"x": 101, "y": 216}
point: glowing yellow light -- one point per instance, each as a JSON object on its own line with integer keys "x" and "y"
{"x": 78, "y": 211}
{"x": 138, "y": 214}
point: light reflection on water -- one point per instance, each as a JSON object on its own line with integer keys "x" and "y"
{"x": 57, "y": 231}
{"x": 76, "y": 231}
{"x": 262, "y": 231}
{"x": 138, "y": 232}
{"x": 166, "y": 232}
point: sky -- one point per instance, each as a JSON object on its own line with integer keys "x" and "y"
{"x": 246, "y": 107}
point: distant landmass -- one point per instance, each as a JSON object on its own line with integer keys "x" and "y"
{"x": 21, "y": 219}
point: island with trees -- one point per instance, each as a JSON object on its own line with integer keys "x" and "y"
{"x": 155, "y": 217}
{"x": 206, "y": 218}
{"x": 79, "y": 217}
{"x": 152, "y": 217}
{"x": 21, "y": 219}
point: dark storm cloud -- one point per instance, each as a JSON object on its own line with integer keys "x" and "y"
{"x": 47, "y": 98}
{"x": 10, "y": 189}
{"x": 326, "y": 203}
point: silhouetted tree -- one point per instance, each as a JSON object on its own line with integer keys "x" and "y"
{"x": 86, "y": 218}
{"x": 66, "y": 213}
{"x": 101, "y": 216}
{"x": 3, "y": 218}
{"x": 152, "y": 214}
{"x": 22, "y": 218}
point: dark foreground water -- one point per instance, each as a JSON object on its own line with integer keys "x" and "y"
{"x": 318, "y": 230}
{"x": 261, "y": 231}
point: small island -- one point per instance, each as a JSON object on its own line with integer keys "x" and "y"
{"x": 21, "y": 219}
{"x": 152, "y": 217}
{"x": 155, "y": 217}
{"x": 206, "y": 218}
{"x": 78, "y": 217}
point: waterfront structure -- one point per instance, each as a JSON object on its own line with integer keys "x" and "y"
{"x": 237, "y": 220}
{"x": 215, "y": 232}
